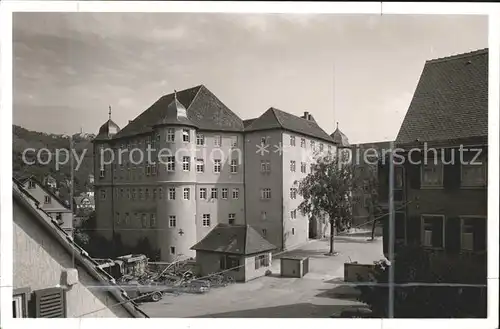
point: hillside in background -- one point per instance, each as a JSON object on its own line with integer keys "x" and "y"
{"x": 23, "y": 139}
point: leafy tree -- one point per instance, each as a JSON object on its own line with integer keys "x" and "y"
{"x": 328, "y": 191}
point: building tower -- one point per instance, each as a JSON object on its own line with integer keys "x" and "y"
{"x": 176, "y": 227}
{"x": 105, "y": 190}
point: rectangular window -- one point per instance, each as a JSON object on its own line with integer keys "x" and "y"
{"x": 217, "y": 141}
{"x": 312, "y": 168}
{"x": 234, "y": 141}
{"x": 31, "y": 184}
{"x": 473, "y": 175}
{"x": 293, "y": 214}
{"x": 103, "y": 194}
{"x": 432, "y": 174}
{"x": 293, "y": 231}
{"x": 231, "y": 219}
{"x": 432, "y": 233}
{"x": 261, "y": 261}
{"x": 200, "y": 139}
{"x": 303, "y": 167}
{"x": 293, "y": 193}
{"x": 101, "y": 173}
{"x": 140, "y": 194}
{"x": 228, "y": 262}
{"x": 127, "y": 218}
{"x": 206, "y": 220}
{"x": 321, "y": 147}
{"x": 160, "y": 193}
{"x": 185, "y": 135}
{"x": 264, "y": 232}
{"x": 303, "y": 142}
{"x": 48, "y": 200}
{"x": 329, "y": 149}
{"x": 170, "y": 135}
{"x": 234, "y": 166}
{"x": 171, "y": 193}
{"x": 152, "y": 220}
{"x": 263, "y": 215}
{"x": 19, "y": 306}
{"x": 185, "y": 163}
{"x": 473, "y": 234}
{"x": 265, "y": 193}
{"x": 292, "y": 165}
{"x": 172, "y": 250}
{"x": 203, "y": 193}
{"x": 144, "y": 221}
{"x": 171, "y": 163}
{"x": 224, "y": 193}
{"x": 186, "y": 193}
{"x": 313, "y": 146}
{"x": 154, "y": 194}
{"x": 217, "y": 166}
{"x": 172, "y": 221}
{"x": 213, "y": 193}
{"x": 265, "y": 165}
{"x": 133, "y": 194}
{"x": 292, "y": 140}
{"x": 236, "y": 193}
{"x": 146, "y": 194}
{"x": 200, "y": 165}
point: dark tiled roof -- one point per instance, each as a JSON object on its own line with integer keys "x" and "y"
{"x": 234, "y": 239}
{"x": 107, "y": 130}
{"x": 81, "y": 256}
{"x": 204, "y": 110}
{"x": 248, "y": 122}
{"x": 450, "y": 101}
{"x": 339, "y": 138}
{"x": 277, "y": 119}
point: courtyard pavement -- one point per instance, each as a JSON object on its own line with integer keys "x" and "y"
{"x": 321, "y": 293}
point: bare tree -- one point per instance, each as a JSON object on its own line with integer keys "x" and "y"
{"x": 328, "y": 191}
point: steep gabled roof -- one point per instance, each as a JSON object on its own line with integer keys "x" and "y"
{"x": 277, "y": 119}
{"x": 72, "y": 248}
{"x": 234, "y": 239}
{"x": 204, "y": 110}
{"x": 450, "y": 102}
{"x": 46, "y": 189}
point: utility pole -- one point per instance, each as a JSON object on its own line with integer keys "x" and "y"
{"x": 71, "y": 190}
{"x": 391, "y": 232}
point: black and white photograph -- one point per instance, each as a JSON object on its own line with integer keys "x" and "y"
{"x": 251, "y": 165}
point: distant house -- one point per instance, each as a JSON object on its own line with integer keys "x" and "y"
{"x": 53, "y": 276}
{"x": 442, "y": 200}
{"x": 237, "y": 249}
{"x": 49, "y": 202}
{"x": 84, "y": 202}
{"x": 50, "y": 181}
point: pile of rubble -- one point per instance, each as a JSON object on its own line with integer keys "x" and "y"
{"x": 153, "y": 280}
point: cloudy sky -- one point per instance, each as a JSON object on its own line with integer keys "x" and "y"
{"x": 358, "y": 70}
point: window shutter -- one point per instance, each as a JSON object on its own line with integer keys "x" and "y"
{"x": 437, "y": 233}
{"x": 452, "y": 234}
{"x": 480, "y": 236}
{"x": 413, "y": 230}
{"x": 451, "y": 172}
{"x": 413, "y": 170}
{"x": 50, "y": 303}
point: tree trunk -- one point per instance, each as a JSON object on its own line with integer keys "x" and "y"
{"x": 373, "y": 229}
{"x": 332, "y": 233}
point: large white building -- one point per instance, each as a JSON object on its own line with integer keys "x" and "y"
{"x": 207, "y": 166}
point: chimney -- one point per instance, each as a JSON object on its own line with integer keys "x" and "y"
{"x": 306, "y": 115}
